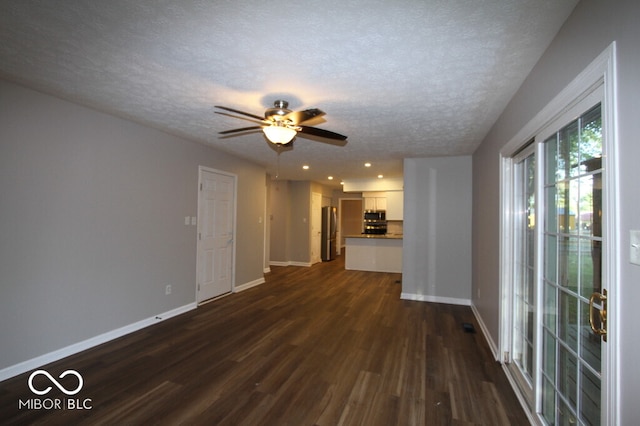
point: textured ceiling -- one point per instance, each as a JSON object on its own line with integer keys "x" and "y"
{"x": 401, "y": 78}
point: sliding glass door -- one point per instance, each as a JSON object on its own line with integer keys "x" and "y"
{"x": 557, "y": 297}
{"x": 572, "y": 272}
{"x": 524, "y": 273}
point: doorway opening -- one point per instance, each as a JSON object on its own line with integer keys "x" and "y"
{"x": 350, "y": 219}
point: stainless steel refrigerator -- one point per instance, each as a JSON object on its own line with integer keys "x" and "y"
{"x": 328, "y": 246}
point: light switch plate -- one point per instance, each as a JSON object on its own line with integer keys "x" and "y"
{"x": 634, "y": 237}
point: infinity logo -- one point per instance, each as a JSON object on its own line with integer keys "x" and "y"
{"x": 55, "y": 382}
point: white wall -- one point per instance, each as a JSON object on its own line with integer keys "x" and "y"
{"x": 92, "y": 222}
{"x": 436, "y": 250}
{"x": 592, "y": 27}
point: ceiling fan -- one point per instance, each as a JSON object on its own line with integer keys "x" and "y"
{"x": 280, "y": 125}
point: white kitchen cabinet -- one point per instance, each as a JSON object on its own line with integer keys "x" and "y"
{"x": 370, "y": 203}
{"x": 390, "y": 201}
{"x": 395, "y": 205}
{"x": 375, "y": 200}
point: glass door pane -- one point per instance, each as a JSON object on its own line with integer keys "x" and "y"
{"x": 571, "y": 354}
{"x": 523, "y": 295}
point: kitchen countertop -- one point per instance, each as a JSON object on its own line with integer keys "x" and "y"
{"x": 377, "y": 236}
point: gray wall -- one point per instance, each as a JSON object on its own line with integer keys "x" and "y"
{"x": 592, "y": 27}
{"x": 279, "y": 220}
{"x": 299, "y": 235}
{"x": 92, "y": 222}
{"x": 290, "y": 204}
{"x": 436, "y": 251}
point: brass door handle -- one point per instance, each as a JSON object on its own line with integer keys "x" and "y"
{"x": 602, "y": 314}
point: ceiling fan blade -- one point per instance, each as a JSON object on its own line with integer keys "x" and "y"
{"x": 321, "y": 133}
{"x": 257, "y": 117}
{"x": 298, "y": 117}
{"x": 243, "y": 129}
{"x": 243, "y": 118}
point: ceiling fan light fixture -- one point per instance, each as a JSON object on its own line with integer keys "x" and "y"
{"x": 279, "y": 135}
{"x": 279, "y": 124}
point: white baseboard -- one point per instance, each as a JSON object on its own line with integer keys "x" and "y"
{"x": 305, "y": 264}
{"x": 435, "y": 299}
{"x": 487, "y": 336}
{"x": 248, "y": 285}
{"x": 496, "y": 354}
{"x": 56, "y": 355}
{"x": 289, "y": 263}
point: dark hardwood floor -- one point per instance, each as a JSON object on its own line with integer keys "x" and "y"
{"x": 311, "y": 346}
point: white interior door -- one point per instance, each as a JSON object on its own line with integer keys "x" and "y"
{"x": 216, "y": 246}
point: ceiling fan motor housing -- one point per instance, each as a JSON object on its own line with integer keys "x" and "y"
{"x": 279, "y": 110}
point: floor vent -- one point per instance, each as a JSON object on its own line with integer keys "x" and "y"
{"x": 468, "y": 327}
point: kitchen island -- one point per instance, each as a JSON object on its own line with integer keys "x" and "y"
{"x": 377, "y": 253}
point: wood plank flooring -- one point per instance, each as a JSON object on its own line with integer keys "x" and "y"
{"x": 311, "y": 346}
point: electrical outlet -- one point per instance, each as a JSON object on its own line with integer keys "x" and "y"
{"x": 167, "y": 290}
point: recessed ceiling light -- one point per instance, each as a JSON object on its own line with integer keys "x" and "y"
{"x": 306, "y": 167}
{"x": 330, "y": 178}
{"x": 380, "y": 176}
{"x": 367, "y": 164}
